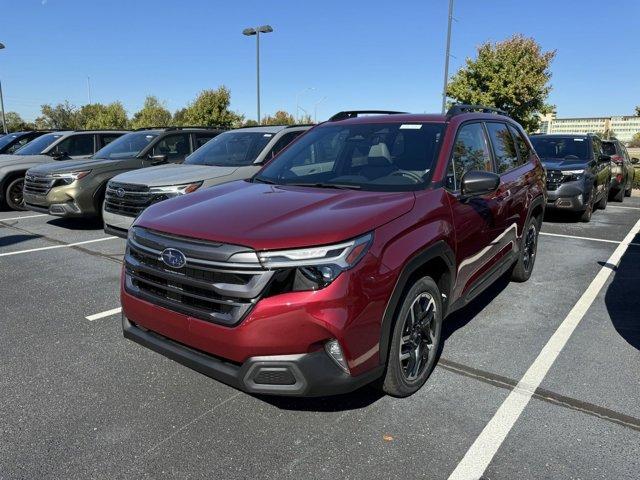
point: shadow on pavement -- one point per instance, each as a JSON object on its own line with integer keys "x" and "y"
{"x": 558, "y": 216}
{"x": 361, "y": 398}
{"x": 623, "y": 296}
{"x": 14, "y": 239}
{"x": 78, "y": 223}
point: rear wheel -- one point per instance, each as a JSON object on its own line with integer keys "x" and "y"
{"x": 13, "y": 194}
{"x": 415, "y": 340}
{"x": 527, "y": 258}
{"x": 619, "y": 195}
{"x": 602, "y": 204}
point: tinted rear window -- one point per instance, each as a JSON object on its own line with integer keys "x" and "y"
{"x": 609, "y": 148}
{"x": 565, "y": 148}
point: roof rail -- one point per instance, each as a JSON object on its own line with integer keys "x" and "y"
{"x": 458, "y": 108}
{"x": 214, "y": 127}
{"x": 355, "y": 113}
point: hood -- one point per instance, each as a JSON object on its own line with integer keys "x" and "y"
{"x": 70, "y": 166}
{"x": 265, "y": 217}
{"x": 172, "y": 174}
{"x": 6, "y": 160}
{"x": 564, "y": 164}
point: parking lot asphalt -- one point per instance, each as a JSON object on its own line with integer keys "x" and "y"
{"x": 79, "y": 401}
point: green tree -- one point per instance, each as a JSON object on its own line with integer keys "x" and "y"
{"x": 607, "y": 134}
{"x": 638, "y": 110}
{"x": 250, "y": 123}
{"x": 152, "y": 114}
{"x": 635, "y": 141}
{"x": 63, "y": 116}
{"x": 98, "y": 116}
{"x": 512, "y": 75}
{"x": 179, "y": 117}
{"x": 211, "y": 108}
{"x": 15, "y": 123}
{"x": 279, "y": 118}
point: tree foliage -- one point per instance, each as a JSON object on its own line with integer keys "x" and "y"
{"x": 211, "y": 108}
{"x": 152, "y": 114}
{"x": 99, "y": 116}
{"x": 635, "y": 141}
{"x": 63, "y": 116}
{"x": 279, "y": 118}
{"x": 638, "y": 110}
{"x": 512, "y": 75}
{"x": 15, "y": 123}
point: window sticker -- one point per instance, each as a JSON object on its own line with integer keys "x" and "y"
{"x": 411, "y": 126}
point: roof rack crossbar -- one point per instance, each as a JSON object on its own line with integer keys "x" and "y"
{"x": 168, "y": 129}
{"x": 459, "y": 108}
{"x": 355, "y": 113}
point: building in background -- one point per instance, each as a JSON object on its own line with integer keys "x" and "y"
{"x": 623, "y": 127}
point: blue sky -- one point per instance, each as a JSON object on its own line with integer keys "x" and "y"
{"x": 356, "y": 53}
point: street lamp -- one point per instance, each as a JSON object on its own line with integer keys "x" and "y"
{"x": 257, "y": 31}
{"x": 308, "y": 89}
{"x": 4, "y": 120}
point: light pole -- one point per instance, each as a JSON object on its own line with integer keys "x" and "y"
{"x": 446, "y": 59}
{"x": 308, "y": 89}
{"x": 257, "y": 31}
{"x": 315, "y": 109}
{"x": 4, "y": 120}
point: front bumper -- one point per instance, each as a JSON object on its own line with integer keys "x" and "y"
{"x": 115, "y": 224}
{"x": 305, "y": 374}
{"x": 64, "y": 201}
{"x": 568, "y": 196}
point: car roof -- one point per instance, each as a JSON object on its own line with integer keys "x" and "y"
{"x": 419, "y": 118}
{"x": 270, "y": 128}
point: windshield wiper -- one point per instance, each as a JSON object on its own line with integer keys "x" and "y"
{"x": 342, "y": 186}
{"x": 263, "y": 180}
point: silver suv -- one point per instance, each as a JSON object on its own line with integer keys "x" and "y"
{"x": 233, "y": 155}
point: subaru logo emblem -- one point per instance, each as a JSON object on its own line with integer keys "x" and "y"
{"x": 173, "y": 258}
{"x": 120, "y": 192}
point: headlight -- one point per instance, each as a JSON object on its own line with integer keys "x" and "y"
{"x": 572, "y": 175}
{"x": 311, "y": 268}
{"x": 70, "y": 177}
{"x": 170, "y": 191}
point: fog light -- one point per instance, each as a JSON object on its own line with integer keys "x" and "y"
{"x": 580, "y": 198}
{"x": 334, "y": 350}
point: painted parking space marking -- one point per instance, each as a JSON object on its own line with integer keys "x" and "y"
{"x": 23, "y": 217}
{"x": 52, "y": 247}
{"x": 577, "y": 237}
{"x": 622, "y": 206}
{"x": 108, "y": 313}
{"x": 482, "y": 451}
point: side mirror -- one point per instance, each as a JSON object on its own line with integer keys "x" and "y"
{"x": 635, "y": 161}
{"x": 477, "y": 182}
{"x": 158, "y": 159}
{"x": 56, "y": 155}
{"x": 604, "y": 158}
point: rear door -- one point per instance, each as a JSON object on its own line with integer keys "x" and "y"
{"x": 175, "y": 146}
{"x": 76, "y": 146}
{"x": 477, "y": 221}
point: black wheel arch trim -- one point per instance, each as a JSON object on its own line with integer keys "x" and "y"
{"x": 438, "y": 250}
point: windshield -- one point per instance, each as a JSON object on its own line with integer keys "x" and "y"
{"x": 37, "y": 146}
{"x": 374, "y": 156}
{"x": 231, "y": 149}
{"x": 128, "y": 145}
{"x": 566, "y": 148}
{"x": 7, "y": 139}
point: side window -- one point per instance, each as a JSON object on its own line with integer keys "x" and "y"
{"x": 202, "y": 138}
{"x": 284, "y": 140}
{"x": 107, "y": 138}
{"x": 504, "y": 148}
{"x": 76, "y": 145}
{"x": 523, "y": 146}
{"x": 20, "y": 143}
{"x": 470, "y": 152}
{"x": 175, "y": 147}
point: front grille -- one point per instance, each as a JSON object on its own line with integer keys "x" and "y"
{"x": 127, "y": 199}
{"x": 554, "y": 179}
{"x": 37, "y": 184}
{"x": 207, "y": 286}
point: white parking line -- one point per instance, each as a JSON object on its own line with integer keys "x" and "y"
{"x": 51, "y": 247}
{"x": 623, "y": 206}
{"x": 585, "y": 238}
{"x": 478, "y": 457}
{"x": 23, "y": 217}
{"x": 108, "y": 313}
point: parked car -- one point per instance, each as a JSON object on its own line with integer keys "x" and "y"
{"x": 47, "y": 148}
{"x": 13, "y": 141}
{"x": 578, "y": 172}
{"x": 233, "y": 155}
{"x": 622, "y": 171}
{"x": 335, "y": 265}
{"x": 77, "y": 188}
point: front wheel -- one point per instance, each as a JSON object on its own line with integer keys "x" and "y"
{"x": 415, "y": 340}
{"x": 13, "y": 194}
{"x": 528, "y": 250}
{"x": 619, "y": 196}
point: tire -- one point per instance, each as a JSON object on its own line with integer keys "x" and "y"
{"x": 527, "y": 257}
{"x": 619, "y": 195}
{"x": 585, "y": 216}
{"x": 415, "y": 340}
{"x": 13, "y": 193}
{"x": 602, "y": 204}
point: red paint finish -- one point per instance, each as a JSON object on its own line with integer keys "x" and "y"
{"x": 478, "y": 232}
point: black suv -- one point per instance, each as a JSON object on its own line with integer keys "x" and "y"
{"x": 11, "y": 142}
{"x": 623, "y": 172}
{"x": 578, "y": 172}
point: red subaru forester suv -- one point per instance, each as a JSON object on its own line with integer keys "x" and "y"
{"x": 336, "y": 264}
